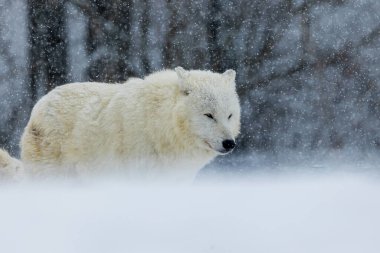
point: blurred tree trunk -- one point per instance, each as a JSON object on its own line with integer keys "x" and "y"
{"x": 48, "y": 46}
{"x": 108, "y": 40}
{"x": 213, "y": 30}
{"x": 174, "y": 26}
{"x": 145, "y": 22}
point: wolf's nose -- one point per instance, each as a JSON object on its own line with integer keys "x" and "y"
{"x": 228, "y": 145}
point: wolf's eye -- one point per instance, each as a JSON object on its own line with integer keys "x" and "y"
{"x": 209, "y": 115}
{"x": 230, "y": 116}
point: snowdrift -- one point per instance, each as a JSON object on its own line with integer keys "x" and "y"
{"x": 329, "y": 213}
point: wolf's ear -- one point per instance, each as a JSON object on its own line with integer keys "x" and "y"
{"x": 182, "y": 76}
{"x": 181, "y": 73}
{"x": 230, "y": 75}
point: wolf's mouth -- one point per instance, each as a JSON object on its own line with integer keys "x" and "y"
{"x": 209, "y": 145}
{"x": 213, "y": 149}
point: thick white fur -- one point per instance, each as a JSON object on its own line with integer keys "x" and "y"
{"x": 146, "y": 127}
{"x": 10, "y": 168}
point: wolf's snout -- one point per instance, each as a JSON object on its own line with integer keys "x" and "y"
{"x": 228, "y": 145}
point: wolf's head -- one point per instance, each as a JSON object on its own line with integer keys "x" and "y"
{"x": 211, "y": 106}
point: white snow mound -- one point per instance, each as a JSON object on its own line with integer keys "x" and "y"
{"x": 336, "y": 213}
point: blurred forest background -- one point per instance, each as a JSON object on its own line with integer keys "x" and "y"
{"x": 307, "y": 71}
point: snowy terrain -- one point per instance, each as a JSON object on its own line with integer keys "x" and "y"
{"x": 333, "y": 212}
{"x": 308, "y": 78}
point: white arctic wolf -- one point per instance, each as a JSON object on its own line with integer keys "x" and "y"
{"x": 170, "y": 123}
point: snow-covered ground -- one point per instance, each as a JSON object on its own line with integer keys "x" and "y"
{"x": 337, "y": 212}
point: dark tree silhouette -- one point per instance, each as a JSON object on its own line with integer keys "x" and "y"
{"x": 48, "y": 47}
{"x": 108, "y": 38}
{"x": 213, "y": 34}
